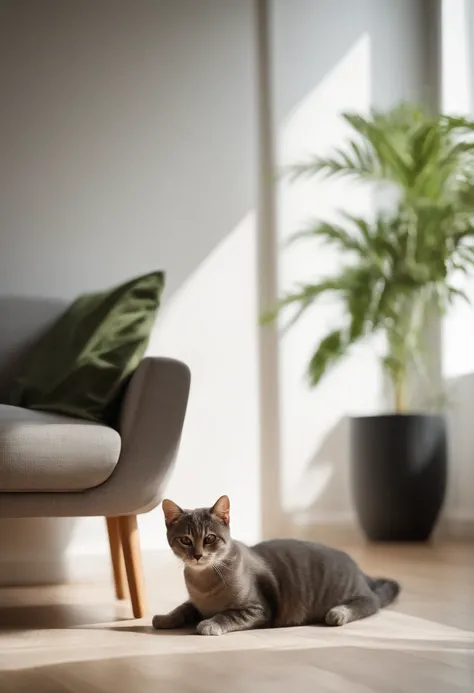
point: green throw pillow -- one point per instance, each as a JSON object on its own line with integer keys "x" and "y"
{"x": 81, "y": 365}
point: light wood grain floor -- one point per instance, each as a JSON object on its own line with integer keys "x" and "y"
{"x": 75, "y": 638}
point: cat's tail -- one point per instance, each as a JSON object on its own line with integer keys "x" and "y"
{"x": 386, "y": 590}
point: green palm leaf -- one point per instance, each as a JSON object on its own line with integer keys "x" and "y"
{"x": 330, "y": 350}
{"x": 341, "y": 165}
{"x": 307, "y": 295}
{"x": 331, "y": 234}
{"x": 398, "y": 262}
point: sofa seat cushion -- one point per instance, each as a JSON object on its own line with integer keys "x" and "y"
{"x": 42, "y": 452}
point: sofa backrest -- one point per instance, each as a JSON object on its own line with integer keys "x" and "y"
{"x": 22, "y": 322}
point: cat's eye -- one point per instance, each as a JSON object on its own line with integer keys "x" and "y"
{"x": 186, "y": 541}
{"x": 210, "y": 539}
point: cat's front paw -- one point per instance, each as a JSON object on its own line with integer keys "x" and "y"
{"x": 338, "y": 615}
{"x": 162, "y": 623}
{"x": 209, "y": 627}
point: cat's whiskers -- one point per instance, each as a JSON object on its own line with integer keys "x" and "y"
{"x": 217, "y": 568}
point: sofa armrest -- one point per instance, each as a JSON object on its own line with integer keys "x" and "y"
{"x": 151, "y": 422}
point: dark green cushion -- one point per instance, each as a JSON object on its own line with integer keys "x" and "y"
{"x": 81, "y": 365}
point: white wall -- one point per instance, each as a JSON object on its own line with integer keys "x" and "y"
{"x": 458, "y": 325}
{"x": 321, "y": 67}
{"x": 128, "y": 139}
{"x": 330, "y": 57}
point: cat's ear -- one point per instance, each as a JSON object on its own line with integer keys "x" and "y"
{"x": 171, "y": 511}
{"x": 221, "y": 510}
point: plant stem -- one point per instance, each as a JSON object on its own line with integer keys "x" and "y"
{"x": 399, "y": 387}
{"x": 398, "y": 374}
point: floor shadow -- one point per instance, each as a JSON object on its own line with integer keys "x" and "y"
{"x": 57, "y": 616}
{"x": 149, "y": 630}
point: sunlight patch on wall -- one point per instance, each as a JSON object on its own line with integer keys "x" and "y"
{"x": 456, "y": 49}
{"x": 314, "y": 435}
{"x": 211, "y": 324}
{"x": 457, "y": 66}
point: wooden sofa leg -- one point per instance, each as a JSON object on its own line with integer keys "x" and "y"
{"x": 133, "y": 564}
{"x": 116, "y": 554}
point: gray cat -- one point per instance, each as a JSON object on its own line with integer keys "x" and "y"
{"x": 274, "y": 584}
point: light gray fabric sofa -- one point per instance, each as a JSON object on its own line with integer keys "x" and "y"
{"x": 56, "y": 466}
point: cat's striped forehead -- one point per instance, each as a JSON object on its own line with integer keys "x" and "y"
{"x": 196, "y": 522}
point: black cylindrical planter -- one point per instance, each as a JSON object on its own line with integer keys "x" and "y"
{"x": 398, "y": 474}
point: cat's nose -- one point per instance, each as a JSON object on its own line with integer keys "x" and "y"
{"x": 198, "y": 556}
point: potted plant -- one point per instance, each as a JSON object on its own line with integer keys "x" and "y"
{"x": 397, "y": 267}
